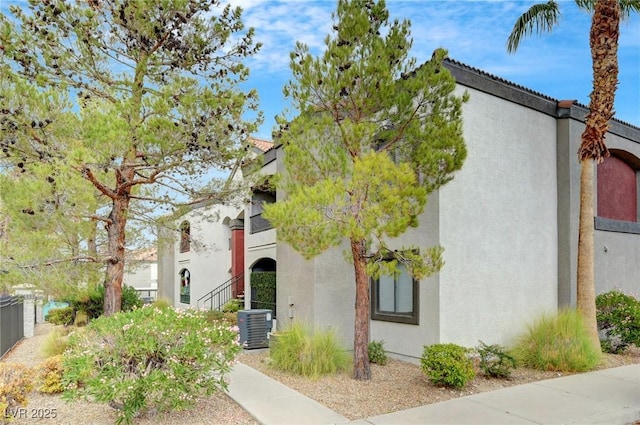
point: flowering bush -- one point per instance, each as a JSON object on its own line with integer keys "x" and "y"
{"x": 618, "y": 317}
{"x": 149, "y": 359}
{"x": 15, "y": 383}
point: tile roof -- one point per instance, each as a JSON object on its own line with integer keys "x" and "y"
{"x": 263, "y": 145}
{"x": 145, "y": 254}
{"x": 498, "y": 79}
{"x": 561, "y": 103}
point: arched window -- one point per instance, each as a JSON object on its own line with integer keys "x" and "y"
{"x": 618, "y": 187}
{"x": 185, "y": 237}
{"x": 185, "y": 286}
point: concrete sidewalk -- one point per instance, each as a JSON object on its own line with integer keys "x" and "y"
{"x": 605, "y": 397}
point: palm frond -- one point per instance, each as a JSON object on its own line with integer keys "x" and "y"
{"x": 626, "y": 6}
{"x": 539, "y": 18}
{"x": 629, "y": 6}
{"x": 588, "y": 5}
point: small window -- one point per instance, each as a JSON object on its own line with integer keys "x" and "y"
{"x": 185, "y": 286}
{"x": 395, "y": 298}
{"x": 258, "y": 200}
{"x": 617, "y": 185}
{"x": 185, "y": 237}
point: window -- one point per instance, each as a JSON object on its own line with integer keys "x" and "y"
{"x": 395, "y": 298}
{"x": 618, "y": 180}
{"x": 185, "y": 237}
{"x": 259, "y": 198}
{"x": 185, "y": 286}
{"x": 617, "y": 190}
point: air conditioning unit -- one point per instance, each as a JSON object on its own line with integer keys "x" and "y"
{"x": 255, "y": 326}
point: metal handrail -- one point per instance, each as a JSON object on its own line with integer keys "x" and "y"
{"x": 222, "y": 294}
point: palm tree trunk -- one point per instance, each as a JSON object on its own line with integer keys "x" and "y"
{"x": 603, "y": 38}
{"x": 586, "y": 297}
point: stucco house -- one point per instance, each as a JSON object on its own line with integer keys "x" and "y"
{"x": 210, "y": 253}
{"x": 508, "y": 223}
{"x": 141, "y": 272}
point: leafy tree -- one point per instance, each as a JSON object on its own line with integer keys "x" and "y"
{"x": 44, "y": 244}
{"x": 374, "y": 136}
{"x": 603, "y": 40}
{"x": 126, "y": 105}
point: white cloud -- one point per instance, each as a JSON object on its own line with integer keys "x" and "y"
{"x": 279, "y": 25}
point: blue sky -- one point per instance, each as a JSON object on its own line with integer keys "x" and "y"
{"x": 556, "y": 64}
{"x": 474, "y": 32}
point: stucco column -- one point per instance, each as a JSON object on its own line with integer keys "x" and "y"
{"x": 237, "y": 255}
{"x": 29, "y": 314}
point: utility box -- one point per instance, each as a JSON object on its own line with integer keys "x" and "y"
{"x": 255, "y": 326}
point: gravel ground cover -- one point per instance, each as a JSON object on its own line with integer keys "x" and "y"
{"x": 396, "y": 386}
{"x": 399, "y": 385}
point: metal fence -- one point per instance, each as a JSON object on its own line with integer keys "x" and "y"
{"x": 11, "y": 322}
{"x": 148, "y": 295}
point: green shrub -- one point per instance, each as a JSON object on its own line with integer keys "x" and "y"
{"x": 92, "y": 300}
{"x": 233, "y": 306}
{"x": 161, "y": 303}
{"x": 557, "y": 342}
{"x": 130, "y": 298}
{"x": 48, "y": 375}
{"x": 310, "y": 353}
{"x": 217, "y": 316}
{"x": 60, "y": 316}
{"x": 82, "y": 301}
{"x": 447, "y": 364}
{"x": 16, "y": 382}
{"x": 263, "y": 290}
{"x": 495, "y": 361}
{"x": 618, "y": 318}
{"x": 56, "y": 342}
{"x": 81, "y": 319}
{"x": 377, "y": 353}
{"x": 149, "y": 359}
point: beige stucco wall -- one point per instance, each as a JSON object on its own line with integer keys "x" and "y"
{"x": 257, "y": 246}
{"x": 209, "y": 259}
{"x": 617, "y": 260}
{"x": 507, "y": 222}
{"x": 260, "y": 244}
{"x": 497, "y": 221}
{"x": 407, "y": 340}
{"x": 498, "y": 224}
{"x": 616, "y": 254}
{"x": 295, "y": 287}
{"x": 166, "y": 265}
{"x": 142, "y": 274}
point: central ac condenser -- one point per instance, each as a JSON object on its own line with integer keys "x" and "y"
{"x": 255, "y": 326}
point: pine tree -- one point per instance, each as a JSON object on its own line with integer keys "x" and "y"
{"x": 374, "y": 136}
{"x": 126, "y": 102}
